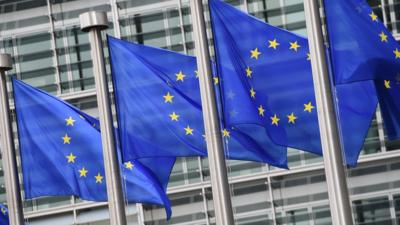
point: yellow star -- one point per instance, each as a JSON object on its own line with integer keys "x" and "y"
{"x": 308, "y": 107}
{"x": 292, "y": 118}
{"x": 384, "y": 37}
{"x": 71, "y": 158}
{"x": 373, "y": 16}
{"x": 275, "y": 120}
{"x": 66, "y": 139}
{"x": 261, "y": 110}
{"x": 249, "y": 72}
{"x": 197, "y": 73}
{"x": 397, "y": 53}
{"x": 83, "y": 172}
{"x": 273, "y": 44}
{"x": 294, "y": 46}
{"x": 99, "y": 178}
{"x": 252, "y": 93}
{"x": 168, "y": 98}
{"x": 308, "y": 56}
{"x": 129, "y": 165}
{"x": 70, "y": 121}
{"x": 189, "y": 131}
{"x": 174, "y": 116}
{"x": 226, "y": 133}
{"x": 216, "y": 80}
{"x": 387, "y": 84}
{"x": 4, "y": 211}
{"x": 255, "y": 53}
{"x": 180, "y": 76}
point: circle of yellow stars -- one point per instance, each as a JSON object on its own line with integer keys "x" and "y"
{"x": 384, "y": 39}
{"x": 174, "y": 116}
{"x": 71, "y": 158}
{"x": 293, "y": 46}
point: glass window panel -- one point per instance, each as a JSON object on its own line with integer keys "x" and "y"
{"x": 80, "y": 59}
{"x": 268, "y": 10}
{"x": 148, "y": 29}
{"x": 373, "y": 178}
{"x": 67, "y": 9}
{"x": 294, "y": 157}
{"x": 45, "y": 203}
{"x": 206, "y": 168}
{"x": 65, "y": 218}
{"x": 35, "y": 59}
{"x": 177, "y": 176}
{"x": 193, "y": 170}
{"x": 126, "y": 4}
{"x": 238, "y": 167}
{"x": 372, "y": 211}
{"x": 186, "y": 206}
{"x": 251, "y": 197}
{"x": 396, "y": 201}
{"x": 188, "y": 30}
{"x": 286, "y": 192}
{"x": 149, "y": 23}
{"x": 3, "y": 198}
{"x": 312, "y": 158}
{"x": 322, "y": 215}
{"x": 298, "y": 217}
{"x": 293, "y": 217}
{"x": 13, "y": 14}
{"x": 372, "y": 142}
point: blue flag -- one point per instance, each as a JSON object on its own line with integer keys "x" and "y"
{"x": 389, "y": 97}
{"x": 268, "y": 71}
{"x": 159, "y": 109}
{"x": 363, "y": 49}
{"x": 4, "y": 220}
{"x": 61, "y": 154}
{"x": 361, "y": 46}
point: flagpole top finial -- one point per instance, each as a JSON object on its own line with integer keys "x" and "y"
{"x": 5, "y": 62}
{"x": 93, "y": 19}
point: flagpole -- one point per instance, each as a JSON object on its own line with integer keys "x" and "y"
{"x": 333, "y": 159}
{"x": 13, "y": 191}
{"x": 216, "y": 157}
{"x": 94, "y": 22}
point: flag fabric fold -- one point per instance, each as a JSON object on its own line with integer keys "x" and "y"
{"x": 268, "y": 71}
{"x": 389, "y": 102}
{"x": 361, "y": 49}
{"x": 159, "y": 109}
{"x": 61, "y": 154}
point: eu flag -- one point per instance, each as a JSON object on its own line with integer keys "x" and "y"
{"x": 4, "y": 220}
{"x": 389, "y": 102}
{"x": 268, "y": 71}
{"x": 159, "y": 109}
{"x": 362, "y": 48}
{"x": 61, "y": 154}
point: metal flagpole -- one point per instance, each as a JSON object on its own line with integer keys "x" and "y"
{"x": 219, "y": 177}
{"x": 13, "y": 191}
{"x": 94, "y": 22}
{"x": 333, "y": 160}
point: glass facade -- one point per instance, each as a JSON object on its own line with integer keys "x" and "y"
{"x": 50, "y": 52}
